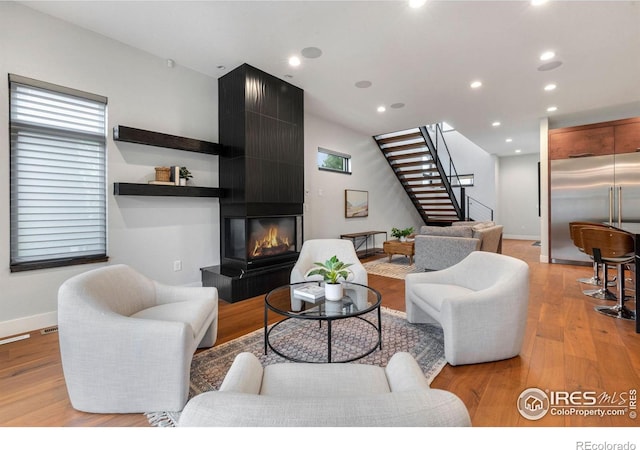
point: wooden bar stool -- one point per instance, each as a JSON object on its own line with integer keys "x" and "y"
{"x": 576, "y": 237}
{"x": 613, "y": 247}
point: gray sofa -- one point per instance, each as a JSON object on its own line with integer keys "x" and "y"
{"x": 325, "y": 395}
{"x": 437, "y": 248}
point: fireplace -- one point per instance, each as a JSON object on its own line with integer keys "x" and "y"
{"x": 261, "y": 171}
{"x": 255, "y": 242}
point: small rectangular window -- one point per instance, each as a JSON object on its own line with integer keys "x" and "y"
{"x": 333, "y": 161}
{"x": 57, "y": 176}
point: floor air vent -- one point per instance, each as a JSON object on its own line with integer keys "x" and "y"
{"x": 49, "y": 330}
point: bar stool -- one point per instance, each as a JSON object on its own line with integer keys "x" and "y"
{"x": 576, "y": 238}
{"x": 613, "y": 247}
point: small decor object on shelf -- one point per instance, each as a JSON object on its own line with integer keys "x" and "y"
{"x": 185, "y": 175}
{"x": 309, "y": 292}
{"x": 163, "y": 174}
{"x": 331, "y": 271}
{"x": 401, "y": 234}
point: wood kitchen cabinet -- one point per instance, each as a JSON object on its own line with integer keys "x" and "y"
{"x": 627, "y": 136}
{"x": 575, "y": 142}
{"x": 605, "y": 138}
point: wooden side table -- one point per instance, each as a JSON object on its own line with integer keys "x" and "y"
{"x": 395, "y": 247}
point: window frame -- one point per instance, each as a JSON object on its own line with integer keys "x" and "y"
{"x": 344, "y": 156}
{"x": 17, "y": 264}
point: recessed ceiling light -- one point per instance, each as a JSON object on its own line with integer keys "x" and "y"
{"x": 552, "y": 108}
{"x": 220, "y": 67}
{"x": 550, "y": 87}
{"x": 518, "y": 150}
{"x": 546, "y": 56}
{"x": 397, "y": 105}
{"x": 538, "y": 2}
{"x": 363, "y": 84}
{"x": 381, "y": 109}
{"x": 288, "y": 75}
{"x": 417, "y": 3}
{"x": 294, "y": 61}
{"x": 495, "y": 124}
{"x": 311, "y": 52}
{"x": 476, "y": 84}
{"x": 508, "y": 140}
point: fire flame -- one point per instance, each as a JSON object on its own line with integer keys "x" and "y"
{"x": 270, "y": 241}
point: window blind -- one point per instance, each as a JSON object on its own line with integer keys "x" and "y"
{"x": 58, "y": 179}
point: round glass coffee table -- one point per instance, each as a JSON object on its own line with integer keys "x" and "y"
{"x": 356, "y": 302}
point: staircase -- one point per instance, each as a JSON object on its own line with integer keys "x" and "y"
{"x": 425, "y": 174}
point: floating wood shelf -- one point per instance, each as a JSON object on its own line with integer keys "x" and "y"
{"x": 137, "y": 136}
{"x": 159, "y": 190}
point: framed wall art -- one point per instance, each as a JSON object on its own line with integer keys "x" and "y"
{"x": 356, "y": 203}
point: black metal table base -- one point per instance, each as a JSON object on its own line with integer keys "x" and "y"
{"x": 377, "y": 345}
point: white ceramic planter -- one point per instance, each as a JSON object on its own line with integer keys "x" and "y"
{"x": 333, "y": 292}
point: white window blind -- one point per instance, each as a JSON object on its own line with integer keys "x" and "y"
{"x": 58, "y": 187}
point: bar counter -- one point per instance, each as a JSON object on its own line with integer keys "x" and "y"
{"x": 634, "y": 229}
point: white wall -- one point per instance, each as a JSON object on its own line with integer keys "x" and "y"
{"x": 389, "y": 205}
{"x": 145, "y": 232}
{"x": 518, "y": 175}
{"x": 150, "y": 233}
{"x": 471, "y": 159}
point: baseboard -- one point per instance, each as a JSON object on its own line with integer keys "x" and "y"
{"x": 521, "y": 237}
{"x": 28, "y": 324}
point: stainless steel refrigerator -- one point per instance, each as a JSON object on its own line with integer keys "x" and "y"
{"x": 603, "y": 189}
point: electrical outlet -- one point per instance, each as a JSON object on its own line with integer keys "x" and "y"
{"x": 177, "y": 265}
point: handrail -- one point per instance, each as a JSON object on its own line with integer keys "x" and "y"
{"x": 450, "y": 175}
{"x": 452, "y": 168}
{"x": 482, "y": 213}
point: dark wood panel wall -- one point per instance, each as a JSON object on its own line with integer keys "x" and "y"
{"x": 261, "y": 126}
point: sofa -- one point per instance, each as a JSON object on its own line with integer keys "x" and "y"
{"x": 325, "y": 395}
{"x": 127, "y": 342}
{"x": 437, "y": 248}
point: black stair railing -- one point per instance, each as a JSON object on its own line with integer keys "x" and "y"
{"x": 477, "y": 211}
{"x": 447, "y": 171}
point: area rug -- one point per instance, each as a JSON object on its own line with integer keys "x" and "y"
{"x": 305, "y": 340}
{"x": 399, "y": 267}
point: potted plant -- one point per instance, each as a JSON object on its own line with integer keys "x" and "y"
{"x": 185, "y": 175}
{"x": 331, "y": 271}
{"x": 401, "y": 234}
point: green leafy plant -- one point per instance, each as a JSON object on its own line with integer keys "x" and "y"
{"x": 185, "y": 173}
{"x": 396, "y": 232}
{"x": 331, "y": 270}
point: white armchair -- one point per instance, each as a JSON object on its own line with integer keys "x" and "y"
{"x": 127, "y": 341}
{"x": 325, "y": 395}
{"x": 319, "y": 250}
{"x": 480, "y": 302}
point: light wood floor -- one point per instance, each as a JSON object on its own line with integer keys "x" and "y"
{"x": 568, "y": 347}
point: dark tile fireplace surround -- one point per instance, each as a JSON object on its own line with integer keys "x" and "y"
{"x": 261, "y": 169}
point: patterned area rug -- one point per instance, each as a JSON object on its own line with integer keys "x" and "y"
{"x": 399, "y": 267}
{"x": 305, "y": 340}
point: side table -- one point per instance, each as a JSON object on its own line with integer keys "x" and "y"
{"x": 396, "y": 247}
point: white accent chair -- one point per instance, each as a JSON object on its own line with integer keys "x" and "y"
{"x": 325, "y": 395}
{"x": 480, "y": 303}
{"x": 127, "y": 341}
{"x": 319, "y": 250}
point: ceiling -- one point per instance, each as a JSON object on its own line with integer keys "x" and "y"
{"x": 425, "y": 58}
